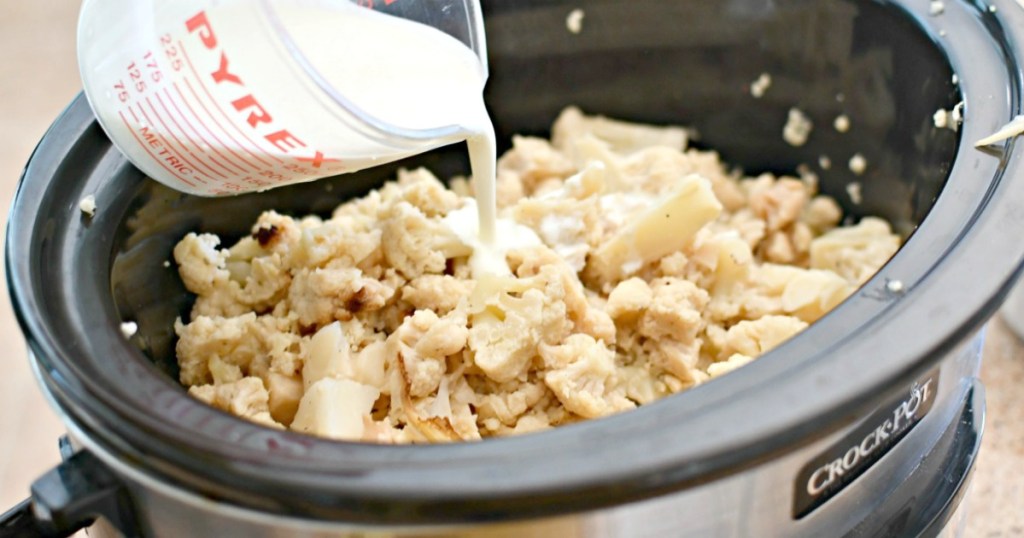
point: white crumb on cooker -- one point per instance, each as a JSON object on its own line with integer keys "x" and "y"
{"x": 992, "y": 9}
{"x": 853, "y": 189}
{"x": 894, "y": 286}
{"x": 824, "y": 162}
{"x": 574, "y": 21}
{"x": 808, "y": 177}
{"x": 956, "y": 79}
{"x": 958, "y": 113}
{"x": 949, "y": 119}
{"x": 167, "y": 263}
{"x": 761, "y": 85}
{"x": 1014, "y": 128}
{"x": 858, "y": 164}
{"x": 798, "y": 128}
{"x": 936, "y": 7}
{"x": 942, "y": 33}
{"x": 129, "y": 328}
{"x": 87, "y": 205}
{"x": 842, "y": 123}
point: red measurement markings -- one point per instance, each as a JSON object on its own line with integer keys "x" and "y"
{"x": 199, "y": 80}
{"x": 370, "y": 3}
{"x": 202, "y": 143}
{"x": 167, "y": 143}
{"x": 187, "y": 148}
{"x": 318, "y": 160}
{"x": 213, "y": 133}
{"x": 143, "y": 145}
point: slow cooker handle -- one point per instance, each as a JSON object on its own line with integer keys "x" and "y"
{"x": 69, "y": 498}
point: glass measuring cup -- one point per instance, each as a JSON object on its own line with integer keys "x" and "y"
{"x": 224, "y": 97}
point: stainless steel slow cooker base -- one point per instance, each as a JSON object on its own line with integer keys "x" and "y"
{"x": 865, "y": 423}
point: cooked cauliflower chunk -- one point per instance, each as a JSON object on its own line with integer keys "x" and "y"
{"x": 651, "y": 268}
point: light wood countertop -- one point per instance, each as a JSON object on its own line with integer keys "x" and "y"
{"x": 38, "y": 77}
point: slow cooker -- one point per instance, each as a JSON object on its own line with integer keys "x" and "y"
{"x": 866, "y": 424}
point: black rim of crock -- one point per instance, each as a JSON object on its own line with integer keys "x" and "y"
{"x": 956, "y": 269}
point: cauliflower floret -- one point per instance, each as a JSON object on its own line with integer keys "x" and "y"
{"x": 857, "y": 252}
{"x": 756, "y": 337}
{"x": 246, "y": 398}
{"x": 642, "y": 383}
{"x": 674, "y": 311}
{"x": 582, "y": 375}
{"x": 337, "y": 243}
{"x": 780, "y": 289}
{"x": 735, "y": 361}
{"x": 502, "y": 404}
{"x": 416, "y": 245}
{"x": 242, "y": 341}
{"x": 319, "y": 296}
{"x": 504, "y": 335}
{"x": 440, "y": 293}
{"x": 202, "y": 267}
{"x": 629, "y": 299}
{"x": 424, "y": 191}
{"x": 534, "y": 162}
{"x": 822, "y": 214}
{"x": 624, "y": 137}
{"x": 422, "y": 344}
{"x": 778, "y": 202}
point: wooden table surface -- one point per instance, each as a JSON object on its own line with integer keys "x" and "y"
{"x": 39, "y": 76}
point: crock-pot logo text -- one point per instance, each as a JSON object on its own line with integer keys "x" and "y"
{"x": 838, "y": 466}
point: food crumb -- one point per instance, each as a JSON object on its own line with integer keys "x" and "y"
{"x": 936, "y": 7}
{"x": 948, "y": 119}
{"x": 824, "y": 162}
{"x": 958, "y": 113}
{"x": 88, "y": 205}
{"x": 858, "y": 164}
{"x": 894, "y": 286}
{"x": 942, "y": 33}
{"x": 574, "y": 21}
{"x": 842, "y": 123}
{"x": 807, "y": 176}
{"x": 992, "y": 9}
{"x": 798, "y": 128}
{"x": 956, "y": 79}
{"x": 854, "y": 191}
{"x": 167, "y": 263}
{"x": 761, "y": 85}
{"x": 129, "y": 328}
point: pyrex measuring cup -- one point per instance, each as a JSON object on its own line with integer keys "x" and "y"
{"x": 222, "y": 97}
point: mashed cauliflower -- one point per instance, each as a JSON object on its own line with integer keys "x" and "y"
{"x": 657, "y": 269}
